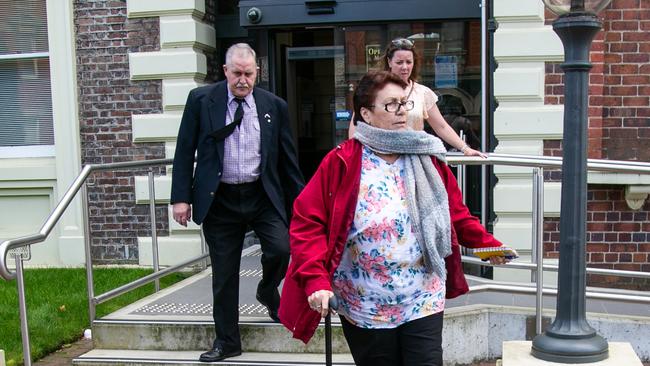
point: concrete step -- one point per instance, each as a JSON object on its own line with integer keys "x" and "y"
{"x": 257, "y": 336}
{"x": 105, "y": 357}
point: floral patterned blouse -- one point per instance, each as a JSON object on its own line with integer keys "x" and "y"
{"x": 381, "y": 281}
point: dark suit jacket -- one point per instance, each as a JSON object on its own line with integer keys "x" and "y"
{"x": 205, "y": 112}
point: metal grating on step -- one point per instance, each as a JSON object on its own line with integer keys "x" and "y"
{"x": 195, "y": 299}
{"x": 252, "y": 309}
{"x": 250, "y": 273}
{"x": 196, "y": 309}
{"x": 175, "y": 308}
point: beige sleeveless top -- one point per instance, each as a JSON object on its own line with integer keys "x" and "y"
{"x": 423, "y": 99}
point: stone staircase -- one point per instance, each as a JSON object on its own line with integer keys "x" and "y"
{"x": 132, "y": 342}
{"x": 174, "y": 326}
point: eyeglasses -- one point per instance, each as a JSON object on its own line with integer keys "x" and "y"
{"x": 402, "y": 43}
{"x": 394, "y": 107}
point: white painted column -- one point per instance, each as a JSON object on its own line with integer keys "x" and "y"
{"x": 522, "y": 45}
{"x": 65, "y": 113}
{"x": 181, "y": 64}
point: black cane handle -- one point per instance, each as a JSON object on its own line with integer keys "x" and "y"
{"x": 334, "y": 303}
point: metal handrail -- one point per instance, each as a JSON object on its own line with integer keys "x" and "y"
{"x": 63, "y": 204}
{"x": 492, "y": 159}
{"x": 554, "y": 268}
{"x": 79, "y": 184}
{"x": 549, "y": 161}
{"x": 598, "y": 295}
{"x": 108, "y": 295}
{"x": 537, "y": 162}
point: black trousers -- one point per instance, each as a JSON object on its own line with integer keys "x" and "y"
{"x": 416, "y": 343}
{"x": 234, "y": 208}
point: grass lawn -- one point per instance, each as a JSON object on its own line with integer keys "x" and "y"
{"x": 57, "y": 306}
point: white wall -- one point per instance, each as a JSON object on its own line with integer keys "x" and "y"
{"x": 522, "y": 44}
{"x": 30, "y": 187}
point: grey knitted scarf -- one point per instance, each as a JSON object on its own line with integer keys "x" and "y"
{"x": 426, "y": 194}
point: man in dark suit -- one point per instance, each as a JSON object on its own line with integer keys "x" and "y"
{"x": 246, "y": 174}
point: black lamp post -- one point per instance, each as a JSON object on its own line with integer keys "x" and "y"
{"x": 570, "y": 339}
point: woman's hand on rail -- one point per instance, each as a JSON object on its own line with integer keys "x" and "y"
{"x": 498, "y": 260}
{"x": 319, "y": 301}
{"x": 471, "y": 152}
{"x": 182, "y": 213}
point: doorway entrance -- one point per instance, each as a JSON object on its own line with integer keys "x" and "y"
{"x": 315, "y": 69}
{"x": 304, "y": 75}
{"x": 310, "y": 95}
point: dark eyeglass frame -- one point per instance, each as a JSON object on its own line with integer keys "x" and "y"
{"x": 407, "y": 104}
{"x": 403, "y": 43}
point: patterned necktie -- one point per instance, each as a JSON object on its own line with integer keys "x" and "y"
{"x": 228, "y": 129}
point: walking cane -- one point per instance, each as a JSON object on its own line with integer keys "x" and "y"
{"x": 334, "y": 305}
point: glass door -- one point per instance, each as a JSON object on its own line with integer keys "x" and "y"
{"x": 310, "y": 95}
{"x": 450, "y": 65}
{"x": 303, "y": 74}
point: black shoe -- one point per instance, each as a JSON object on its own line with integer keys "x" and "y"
{"x": 273, "y": 312}
{"x": 217, "y": 354}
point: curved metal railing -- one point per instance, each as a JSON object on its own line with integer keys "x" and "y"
{"x": 76, "y": 186}
{"x": 538, "y": 163}
{"x": 493, "y": 159}
{"x": 79, "y": 185}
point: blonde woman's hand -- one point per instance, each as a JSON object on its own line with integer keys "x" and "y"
{"x": 468, "y": 151}
{"x": 319, "y": 301}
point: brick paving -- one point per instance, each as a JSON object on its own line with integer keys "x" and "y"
{"x": 64, "y": 356}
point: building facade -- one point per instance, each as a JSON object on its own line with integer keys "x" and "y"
{"x": 120, "y": 71}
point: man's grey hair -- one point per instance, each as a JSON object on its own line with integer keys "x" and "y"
{"x": 241, "y": 50}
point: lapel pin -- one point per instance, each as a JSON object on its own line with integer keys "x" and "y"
{"x": 268, "y": 118}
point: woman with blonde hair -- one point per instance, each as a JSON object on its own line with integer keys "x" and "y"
{"x": 401, "y": 58}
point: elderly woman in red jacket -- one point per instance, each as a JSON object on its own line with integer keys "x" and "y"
{"x": 377, "y": 226}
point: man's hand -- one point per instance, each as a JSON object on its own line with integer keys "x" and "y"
{"x": 182, "y": 213}
{"x": 319, "y": 301}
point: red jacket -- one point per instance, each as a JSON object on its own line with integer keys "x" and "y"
{"x": 322, "y": 216}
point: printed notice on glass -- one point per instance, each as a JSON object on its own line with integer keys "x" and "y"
{"x": 446, "y": 72}
{"x": 373, "y": 54}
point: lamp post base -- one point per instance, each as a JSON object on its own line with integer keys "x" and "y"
{"x": 517, "y": 353}
{"x": 570, "y": 350}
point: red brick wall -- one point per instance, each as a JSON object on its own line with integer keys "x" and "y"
{"x": 626, "y": 114}
{"x": 619, "y": 90}
{"x": 617, "y": 237}
{"x": 107, "y": 100}
{"x": 619, "y": 129}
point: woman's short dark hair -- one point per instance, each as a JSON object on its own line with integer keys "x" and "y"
{"x": 401, "y": 44}
{"x": 368, "y": 87}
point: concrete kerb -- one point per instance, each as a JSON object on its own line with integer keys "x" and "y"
{"x": 466, "y": 328}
